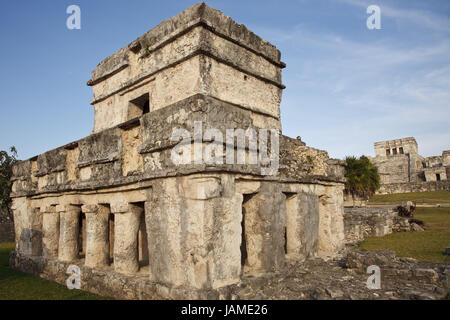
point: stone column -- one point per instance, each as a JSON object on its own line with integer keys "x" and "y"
{"x": 264, "y": 224}
{"x": 97, "y": 238}
{"x": 126, "y": 224}
{"x": 50, "y": 230}
{"x": 331, "y": 220}
{"x": 27, "y": 227}
{"x": 194, "y": 231}
{"x": 302, "y": 225}
{"x": 69, "y": 231}
{"x": 36, "y": 232}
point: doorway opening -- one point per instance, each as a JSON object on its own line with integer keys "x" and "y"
{"x": 138, "y": 107}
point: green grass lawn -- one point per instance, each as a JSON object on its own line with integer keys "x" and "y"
{"x": 431, "y": 197}
{"x": 428, "y": 245}
{"x": 16, "y": 285}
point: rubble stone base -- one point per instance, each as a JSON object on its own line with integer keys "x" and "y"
{"x": 314, "y": 279}
{"x": 106, "y": 282}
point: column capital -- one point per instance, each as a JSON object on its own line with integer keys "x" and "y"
{"x": 66, "y": 207}
{"x": 125, "y": 207}
{"x": 120, "y": 207}
{"x": 89, "y": 208}
{"x": 60, "y": 208}
{"x": 48, "y": 209}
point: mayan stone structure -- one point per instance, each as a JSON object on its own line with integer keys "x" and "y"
{"x": 140, "y": 225}
{"x": 403, "y": 169}
{"x": 363, "y": 222}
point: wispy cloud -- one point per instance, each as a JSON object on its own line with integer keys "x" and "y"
{"x": 356, "y": 92}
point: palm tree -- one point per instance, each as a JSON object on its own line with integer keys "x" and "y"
{"x": 362, "y": 177}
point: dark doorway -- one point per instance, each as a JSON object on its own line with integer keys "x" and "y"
{"x": 143, "y": 253}
{"x": 111, "y": 237}
{"x": 438, "y": 177}
{"x": 139, "y": 106}
{"x": 244, "y": 254}
{"x": 285, "y": 240}
{"x": 82, "y": 235}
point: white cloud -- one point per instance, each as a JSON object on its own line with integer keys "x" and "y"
{"x": 358, "y": 92}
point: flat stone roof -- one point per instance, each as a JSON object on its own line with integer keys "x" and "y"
{"x": 198, "y": 15}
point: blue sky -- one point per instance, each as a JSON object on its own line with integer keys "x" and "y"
{"x": 347, "y": 86}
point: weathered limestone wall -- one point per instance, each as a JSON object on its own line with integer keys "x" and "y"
{"x": 446, "y": 162}
{"x": 27, "y": 226}
{"x": 264, "y": 226}
{"x": 431, "y": 174}
{"x": 409, "y": 145}
{"x": 414, "y": 187}
{"x": 141, "y": 149}
{"x": 306, "y": 163}
{"x": 195, "y": 230}
{"x": 331, "y": 223}
{"x": 187, "y": 53}
{"x": 302, "y": 232}
{"x": 398, "y": 162}
{"x": 360, "y": 223}
{"x": 325, "y": 198}
{"x": 300, "y": 161}
{"x": 434, "y": 161}
{"x": 446, "y": 158}
{"x": 394, "y": 169}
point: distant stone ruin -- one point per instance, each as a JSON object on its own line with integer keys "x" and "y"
{"x": 140, "y": 225}
{"x": 360, "y": 223}
{"x": 402, "y": 169}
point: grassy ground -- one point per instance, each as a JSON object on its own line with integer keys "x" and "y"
{"x": 428, "y": 245}
{"x": 16, "y": 285}
{"x": 432, "y": 197}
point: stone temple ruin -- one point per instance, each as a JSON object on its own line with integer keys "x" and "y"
{"x": 403, "y": 169}
{"x": 140, "y": 226}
